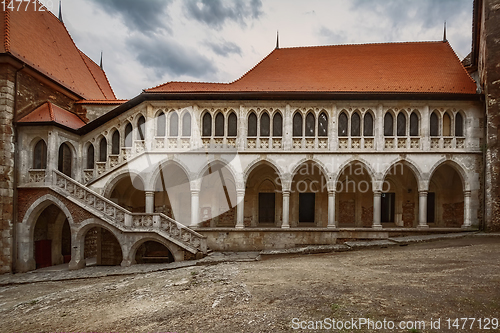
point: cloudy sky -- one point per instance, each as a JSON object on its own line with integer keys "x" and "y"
{"x": 149, "y": 42}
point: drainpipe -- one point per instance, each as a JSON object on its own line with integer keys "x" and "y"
{"x": 16, "y": 157}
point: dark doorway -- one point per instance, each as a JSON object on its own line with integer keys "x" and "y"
{"x": 306, "y": 207}
{"x": 388, "y": 203}
{"x": 151, "y": 252}
{"x": 431, "y": 207}
{"x": 266, "y": 207}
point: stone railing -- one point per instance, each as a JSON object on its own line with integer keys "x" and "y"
{"x": 125, "y": 220}
{"x": 37, "y": 175}
{"x": 447, "y": 142}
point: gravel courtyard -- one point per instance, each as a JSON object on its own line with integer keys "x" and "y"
{"x": 420, "y": 282}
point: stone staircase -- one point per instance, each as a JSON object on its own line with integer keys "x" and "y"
{"x": 125, "y": 220}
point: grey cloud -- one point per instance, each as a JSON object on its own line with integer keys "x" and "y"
{"x": 150, "y": 15}
{"x": 167, "y": 56}
{"x": 224, "y": 48}
{"x": 430, "y": 13}
{"x": 215, "y": 13}
{"x": 331, "y": 36}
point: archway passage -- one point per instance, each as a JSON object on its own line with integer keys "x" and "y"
{"x": 172, "y": 194}
{"x": 129, "y": 193}
{"x": 102, "y": 248}
{"x": 445, "y": 199}
{"x": 309, "y": 196}
{"x": 52, "y": 238}
{"x": 354, "y": 196}
{"x": 151, "y": 252}
{"x": 400, "y": 197}
{"x": 218, "y": 197}
{"x": 263, "y": 199}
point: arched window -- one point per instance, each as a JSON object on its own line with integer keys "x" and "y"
{"x": 401, "y": 123}
{"x": 115, "y": 143}
{"x": 459, "y": 125}
{"x": 128, "y": 135}
{"x": 343, "y": 124}
{"x": 446, "y": 124}
{"x": 232, "y": 125}
{"x": 90, "y": 156}
{"x": 186, "y": 124}
{"x": 297, "y": 124}
{"x": 277, "y": 125}
{"x": 434, "y": 124}
{"x": 355, "y": 124}
{"x": 414, "y": 124}
{"x": 310, "y": 124}
{"x": 252, "y": 124}
{"x": 207, "y": 124}
{"x": 323, "y": 124}
{"x": 141, "y": 127}
{"x": 64, "y": 160}
{"x": 388, "y": 125}
{"x": 219, "y": 124}
{"x": 174, "y": 124}
{"x": 368, "y": 124}
{"x": 265, "y": 125}
{"x": 40, "y": 155}
{"x": 161, "y": 124}
{"x": 103, "y": 150}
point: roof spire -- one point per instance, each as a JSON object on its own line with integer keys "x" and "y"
{"x": 277, "y": 39}
{"x": 444, "y": 34}
{"x": 100, "y": 64}
{"x": 60, "y": 12}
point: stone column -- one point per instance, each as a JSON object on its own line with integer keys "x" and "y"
{"x": 286, "y": 210}
{"x": 150, "y": 202}
{"x": 422, "y": 209}
{"x": 331, "y": 210}
{"x": 467, "y": 211}
{"x": 195, "y": 208}
{"x": 377, "y": 209}
{"x": 240, "y": 209}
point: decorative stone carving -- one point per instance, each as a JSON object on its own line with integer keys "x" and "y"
{"x": 323, "y": 143}
{"x": 159, "y": 143}
{"x": 448, "y": 143}
{"x": 297, "y": 143}
{"x": 277, "y": 143}
{"x": 415, "y": 143}
{"x": 251, "y": 143}
{"x": 114, "y": 160}
{"x": 369, "y": 143}
{"x": 460, "y": 143}
{"x": 435, "y": 143}
{"x": 343, "y": 143}
{"x": 355, "y": 143}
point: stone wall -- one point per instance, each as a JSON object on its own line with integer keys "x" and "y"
{"x": 490, "y": 78}
{"x": 7, "y": 154}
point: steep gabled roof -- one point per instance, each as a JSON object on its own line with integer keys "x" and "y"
{"x": 50, "y": 113}
{"x": 40, "y": 40}
{"x": 418, "y": 67}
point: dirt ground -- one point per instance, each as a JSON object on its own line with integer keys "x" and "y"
{"x": 422, "y": 282}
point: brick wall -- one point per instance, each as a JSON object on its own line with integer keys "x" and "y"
{"x": 111, "y": 252}
{"x": 346, "y": 212}
{"x": 408, "y": 214}
{"x": 7, "y": 152}
{"x": 367, "y": 216}
{"x": 490, "y": 76}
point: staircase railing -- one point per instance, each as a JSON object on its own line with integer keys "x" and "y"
{"x": 124, "y": 219}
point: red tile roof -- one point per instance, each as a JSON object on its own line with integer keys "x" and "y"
{"x": 417, "y": 67}
{"x": 49, "y": 112}
{"x": 40, "y": 40}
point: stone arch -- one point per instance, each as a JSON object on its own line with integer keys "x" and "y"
{"x": 78, "y": 255}
{"x": 118, "y": 176}
{"x": 131, "y": 191}
{"x": 74, "y": 157}
{"x": 365, "y": 164}
{"x": 218, "y": 196}
{"x": 248, "y": 170}
{"x": 417, "y": 172}
{"x": 321, "y": 165}
{"x": 32, "y": 152}
{"x": 176, "y": 252}
{"x": 26, "y": 260}
{"x": 172, "y": 191}
{"x": 457, "y": 167}
{"x": 156, "y": 172}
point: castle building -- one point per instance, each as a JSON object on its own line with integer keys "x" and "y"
{"x": 312, "y": 145}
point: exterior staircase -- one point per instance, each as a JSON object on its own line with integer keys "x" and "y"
{"x": 126, "y": 221}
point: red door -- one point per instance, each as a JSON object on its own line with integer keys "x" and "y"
{"x": 43, "y": 253}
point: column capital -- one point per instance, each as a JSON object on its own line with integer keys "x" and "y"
{"x": 285, "y": 193}
{"x": 423, "y": 193}
{"x": 467, "y": 194}
{"x": 195, "y": 192}
{"x": 377, "y": 193}
{"x": 149, "y": 193}
{"x": 331, "y": 192}
{"x": 240, "y": 192}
